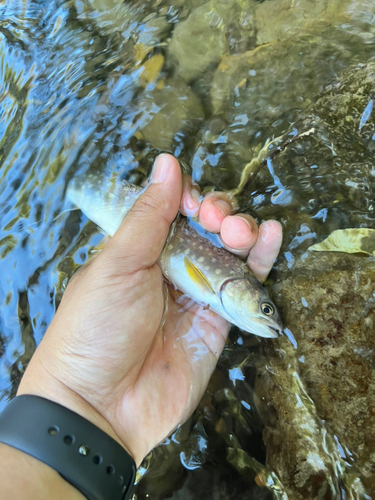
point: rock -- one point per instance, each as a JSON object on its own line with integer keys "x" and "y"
{"x": 336, "y": 164}
{"x": 168, "y": 110}
{"x": 282, "y": 19}
{"x": 316, "y": 389}
{"x": 259, "y": 98}
{"x": 328, "y": 175}
{"x": 260, "y": 84}
{"x": 346, "y": 106}
{"x": 201, "y": 40}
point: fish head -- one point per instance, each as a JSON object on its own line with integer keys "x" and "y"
{"x": 248, "y": 305}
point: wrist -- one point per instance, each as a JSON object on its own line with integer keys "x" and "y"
{"x": 39, "y": 382}
{"x": 23, "y": 476}
{"x": 85, "y": 456}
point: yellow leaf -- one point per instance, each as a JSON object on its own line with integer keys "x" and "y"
{"x": 152, "y": 68}
{"x": 360, "y": 240}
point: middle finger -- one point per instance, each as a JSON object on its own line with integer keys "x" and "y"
{"x": 239, "y": 233}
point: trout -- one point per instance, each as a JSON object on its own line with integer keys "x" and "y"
{"x": 202, "y": 270}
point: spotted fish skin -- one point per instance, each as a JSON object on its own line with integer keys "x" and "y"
{"x": 201, "y": 269}
{"x": 213, "y": 261}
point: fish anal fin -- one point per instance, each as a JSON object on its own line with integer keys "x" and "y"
{"x": 196, "y": 275}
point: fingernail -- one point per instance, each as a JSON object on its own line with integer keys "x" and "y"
{"x": 252, "y": 225}
{"x": 265, "y": 231}
{"x": 223, "y": 206}
{"x": 162, "y": 168}
{"x": 196, "y": 195}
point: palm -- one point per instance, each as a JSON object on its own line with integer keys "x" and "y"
{"x": 160, "y": 384}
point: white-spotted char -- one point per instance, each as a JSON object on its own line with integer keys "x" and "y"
{"x": 205, "y": 272}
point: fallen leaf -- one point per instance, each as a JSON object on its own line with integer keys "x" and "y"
{"x": 360, "y": 240}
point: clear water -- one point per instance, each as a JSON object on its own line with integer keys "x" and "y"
{"x": 106, "y": 85}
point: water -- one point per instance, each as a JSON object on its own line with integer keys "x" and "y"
{"x": 105, "y": 85}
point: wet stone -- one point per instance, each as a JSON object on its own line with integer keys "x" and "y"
{"x": 168, "y": 110}
{"x": 210, "y": 31}
{"x": 341, "y": 150}
{"x": 257, "y": 97}
{"x": 281, "y": 19}
{"x": 334, "y": 165}
{"x": 346, "y": 106}
{"x": 315, "y": 385}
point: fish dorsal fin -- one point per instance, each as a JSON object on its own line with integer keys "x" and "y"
{"x": 196, "y": 275}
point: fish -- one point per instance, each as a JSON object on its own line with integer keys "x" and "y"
{"x": 204, "y": 271}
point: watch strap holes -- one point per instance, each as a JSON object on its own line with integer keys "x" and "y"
{"x": 69, "y": 439}
{"x": 53, "y": 430}
{"x": 97, "y": 460}
{"x": 110, "y": 470}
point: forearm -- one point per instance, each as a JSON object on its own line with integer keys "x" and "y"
{"x": 22, "y": 476}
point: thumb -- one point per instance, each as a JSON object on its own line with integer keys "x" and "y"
{"x": 138, "y": 243}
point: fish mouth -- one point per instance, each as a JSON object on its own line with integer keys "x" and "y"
{"x": 275, "y": 332}
{"x": 266, "y": 331}
{"x": 268, "y": 328}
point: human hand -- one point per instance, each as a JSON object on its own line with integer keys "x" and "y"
{"x": 239, "y": 233}
{"x": 121, "y": 351}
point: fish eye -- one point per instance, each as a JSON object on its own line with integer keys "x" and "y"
{"x": 267, "y": 309}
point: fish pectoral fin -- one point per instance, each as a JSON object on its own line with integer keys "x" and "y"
{"x": 196, "y": 275}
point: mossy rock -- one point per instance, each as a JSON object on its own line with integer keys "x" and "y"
{"x": 316, "y": 389}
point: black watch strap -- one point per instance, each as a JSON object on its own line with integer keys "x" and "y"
{"x": 84, "y": 455}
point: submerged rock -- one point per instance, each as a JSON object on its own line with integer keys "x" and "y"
{"x": 257, "y": 98}
{"x": 210, "y": 31}
{"x": 336, "y": 165}
{"x": 167, "y": 110}
{"x": 346, "y": 107}
{"x": 285, "y": 18}
{"x": 315, "y": 385}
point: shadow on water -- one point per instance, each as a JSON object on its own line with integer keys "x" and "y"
{"x": 103, "y": 85}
